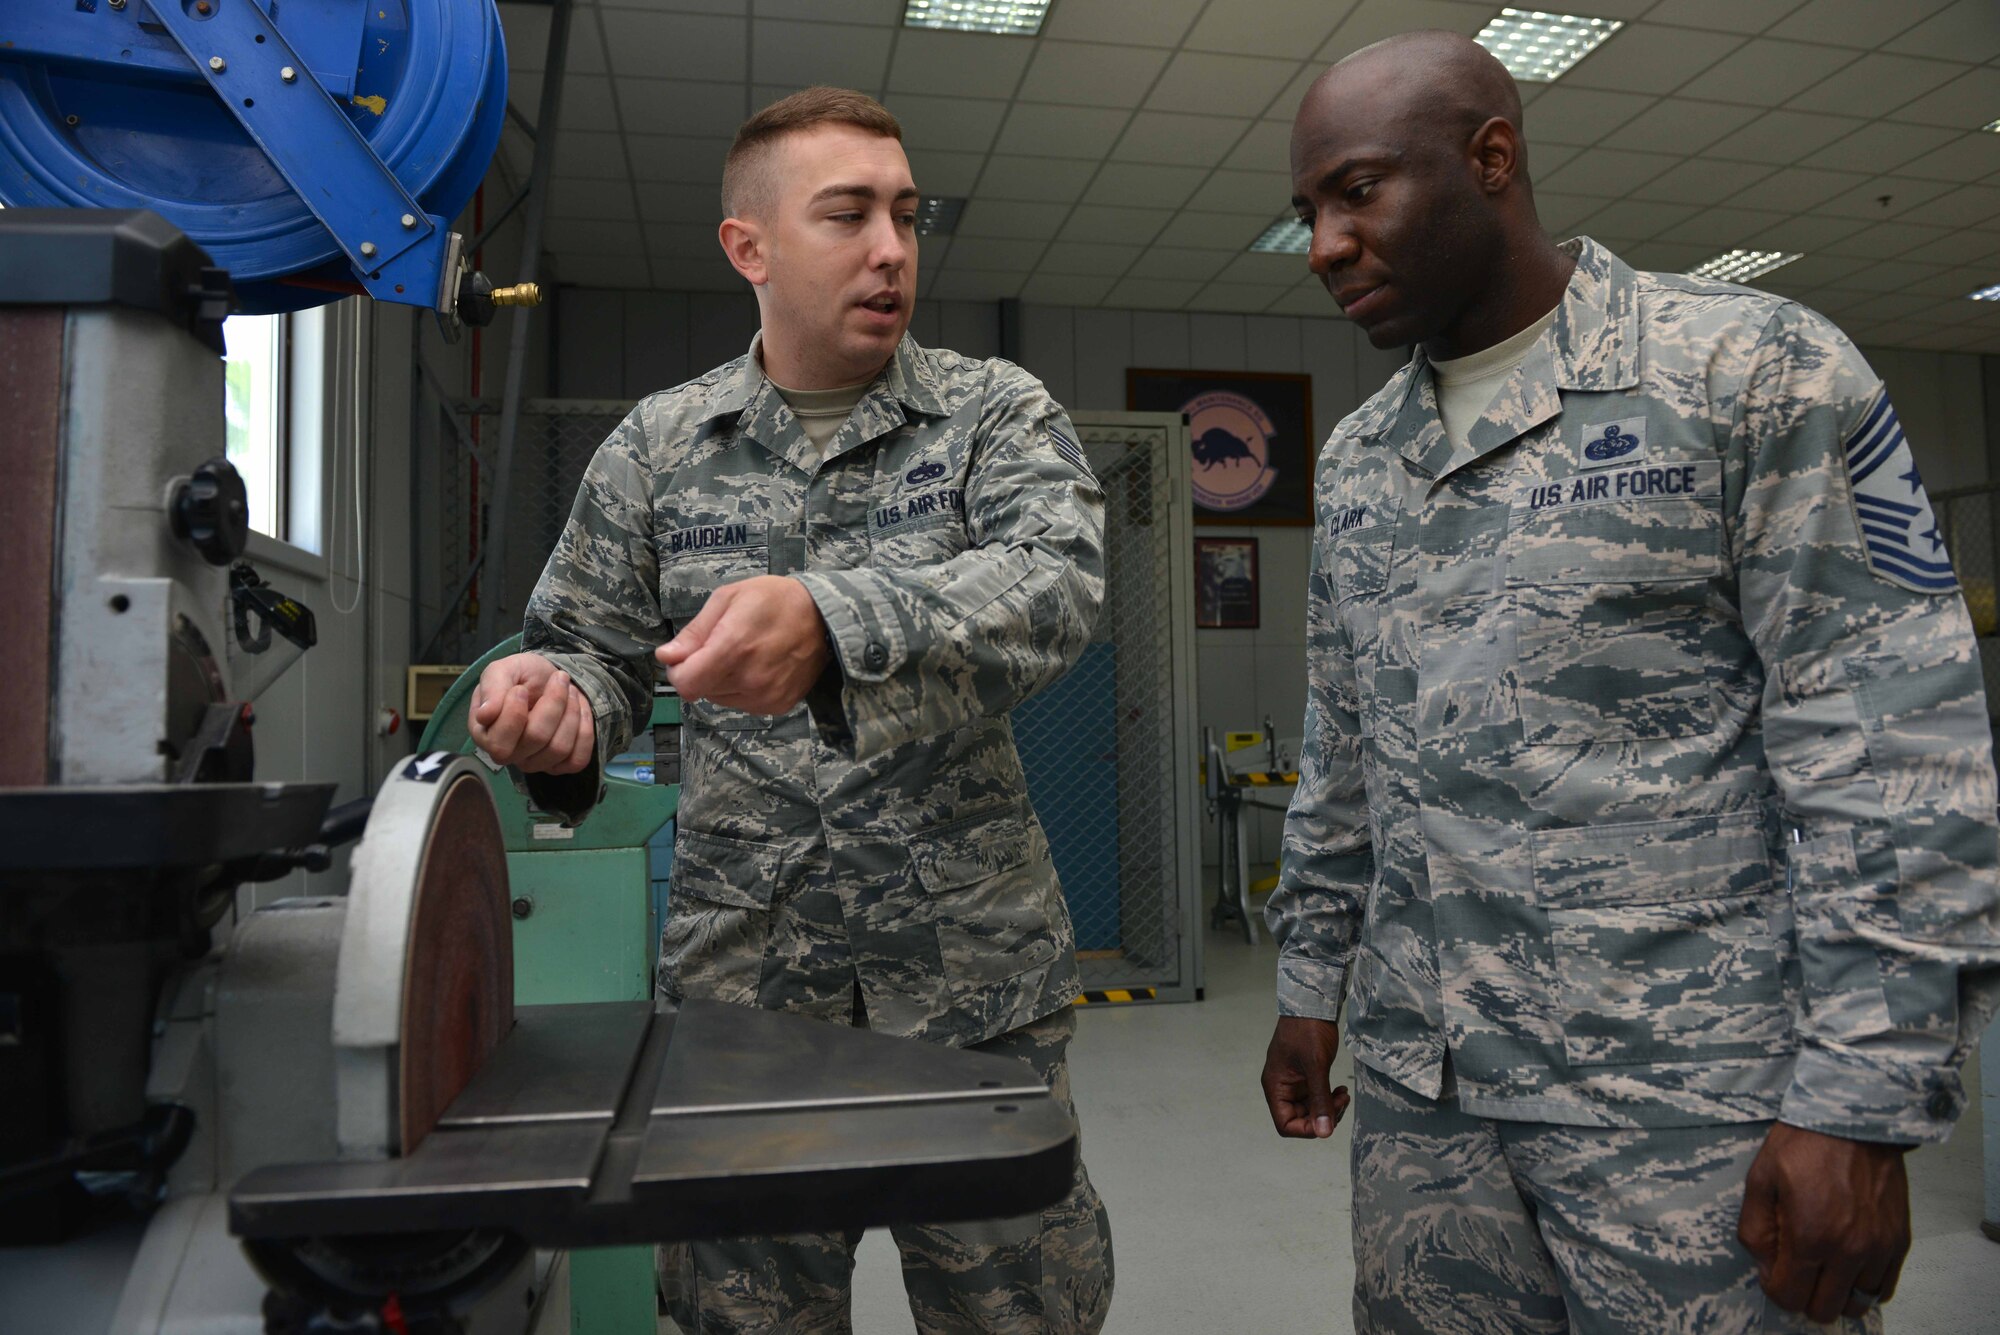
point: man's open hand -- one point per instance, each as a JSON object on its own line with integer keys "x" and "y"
{"x": 1296, "y": 1071}
{"x": 757, "y": 645}
{"x": 527, "y": 714}
{"x": 1828, "y": 1221}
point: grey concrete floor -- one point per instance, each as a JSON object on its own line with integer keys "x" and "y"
{"x": 1221, "y": 1227}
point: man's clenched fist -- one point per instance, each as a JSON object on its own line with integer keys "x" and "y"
{"x": 757, "y": 645}
{"x": 527, "y": 714}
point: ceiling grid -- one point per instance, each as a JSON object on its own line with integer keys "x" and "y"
{"x": 1130, "y": 153}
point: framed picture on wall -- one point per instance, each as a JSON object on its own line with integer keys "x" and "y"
{"x": 1225, "y": 583}
{"x": 1251, "y": 433}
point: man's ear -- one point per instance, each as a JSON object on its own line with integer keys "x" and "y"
{"x": 743, "y": 242}
{"x": 1497, "y": 154}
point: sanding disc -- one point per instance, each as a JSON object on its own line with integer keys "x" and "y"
{"x": 458, "y": 983}
{"x": 424, "y": 988}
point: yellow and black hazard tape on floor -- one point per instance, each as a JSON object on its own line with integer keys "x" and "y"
{"x": 1113, "y": 995}
{"x": 1263, "y": 778}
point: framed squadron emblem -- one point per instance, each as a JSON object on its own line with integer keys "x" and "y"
{"x": 1251, "y": 435}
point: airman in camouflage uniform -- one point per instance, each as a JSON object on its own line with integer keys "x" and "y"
{"x": 868, "y": 856}
{"x": 1646, "y": 799}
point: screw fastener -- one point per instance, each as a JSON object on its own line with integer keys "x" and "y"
{"x": 288, "y": 74}
{"x": 218, "y": 64}
{"x": 409, "y": 220}
{"x": 368, "y": 249}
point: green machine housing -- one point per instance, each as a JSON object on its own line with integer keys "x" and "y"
{"x": 585, "y": 929}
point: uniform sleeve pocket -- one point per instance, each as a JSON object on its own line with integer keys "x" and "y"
{"x": 990, "y": 882}
{"x": 1661, "y": 947}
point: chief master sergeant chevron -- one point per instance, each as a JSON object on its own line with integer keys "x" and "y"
{"x": 1646, "y": 811}
{"x": 872, "y": 551}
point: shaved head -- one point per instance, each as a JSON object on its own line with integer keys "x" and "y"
{"x": 1409, "y": 165}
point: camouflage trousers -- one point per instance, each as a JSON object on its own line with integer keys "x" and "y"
{"x": 1042, "y": 1274}
{"x": 1469, "y": 1225}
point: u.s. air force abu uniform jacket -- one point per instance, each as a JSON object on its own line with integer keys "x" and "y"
{"x": 879, "y": 835}
{"x": 1647, "y": 766}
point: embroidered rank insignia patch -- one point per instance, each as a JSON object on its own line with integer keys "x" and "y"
{"x": 1067, "y": 448}
{"x": 1607, "y": 443}
{"x": 1898, "y": 529}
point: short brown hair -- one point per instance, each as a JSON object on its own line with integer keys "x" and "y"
{"x": 743, "y": 183}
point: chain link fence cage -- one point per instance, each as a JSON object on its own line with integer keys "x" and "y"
{"x": 1967, "y": 523}
{"x": 1109, "y": 750}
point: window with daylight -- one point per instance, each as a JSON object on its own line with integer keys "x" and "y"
{"x": 257, "y": 412}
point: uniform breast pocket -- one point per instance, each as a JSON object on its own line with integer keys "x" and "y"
{"x": 696, "y": 559}
{"x": 1613, "y": 612}
{"x": 1662, "y": 948}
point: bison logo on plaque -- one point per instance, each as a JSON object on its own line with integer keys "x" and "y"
{"x": 1232, "y": 450}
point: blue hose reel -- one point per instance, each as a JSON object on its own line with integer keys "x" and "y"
{"x": 313, "y": 148}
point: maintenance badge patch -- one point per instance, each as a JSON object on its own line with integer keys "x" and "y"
{"x": 1898, "y": 529}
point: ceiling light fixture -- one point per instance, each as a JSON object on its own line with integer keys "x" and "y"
{"x": 938, "y": 215}
{"x": 1287, "y": 236}
{"x": 1740, "y": 266}
{"x": 1991, "y": 127}
{"x": 1987, "y": 293}
{"x": 1012, "y": 18}
{"x": 1539, "y": 47}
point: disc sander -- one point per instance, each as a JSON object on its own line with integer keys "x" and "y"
{"x": 458, "y": 983}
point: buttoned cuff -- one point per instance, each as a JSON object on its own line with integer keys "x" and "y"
{"x": 1309, "y": 989}
{"x": 1837, "y": 1091}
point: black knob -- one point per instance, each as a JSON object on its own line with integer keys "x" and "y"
{"x": 211, "y": 512}
{"x": 523, "y": 907}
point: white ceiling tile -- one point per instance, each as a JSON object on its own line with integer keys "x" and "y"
{"x": 965, "y": 64}
{"x": 1703, "y": 180}
{"x": 938, "y": 172}
{"x": 1287, "y": 28}
{"x": 581, "y": 268}
{"x": 1169, "y": 294}
{"x": 1880, "y": 275}
{"x": 1226, "y": 231}
{"x": 1042, "y": 130}
{"x": 1287, "y": 104}
{"x": 591, "y": 154}
{"x": 1635, "y": 217}
{"x": 1248, "y": 298}
{"x": 1276, "y": 270}
{"x": 1796, "y": 189}
{"x": 1744, "y": 16}
{"x": 1054, "y": 289}
{"x": 1143, "y": 185}
{"x": 587, "y": 104}
{"x": 602, "y": 238}
{"x": 801, "y": 54}
{"x": 1053, "y": 180}
{"x": 1561, "y": 213}
{"x": 1890, "y": 306}
{"x": 1781, "y": 137}
{"x": 1646, "y": 58}
{"x": 527, "y": 31}
{"x": 1814, "y": 271}
{"x": 1966, "y": 103}
{"x": 1154, "y": 23}
{"x": 1881, "y": 147}
{"x": 1565, "y": 115}
{"x": 1766, "y": 72}
{"x": 1162, "y": 261}
{"x": 1903, "y": 194}
{"x": 716, "y": 46}
{"x": 598, "y": 201}
{"x": 1174, "y": 137}
{"x": 1666, "y": 256}
{"x": 1722, "y": 228}
{"x": 1216, "y": 85}
{"x": 1089, "y": 257}
{"x": 688, "y": 240}
{"x": 1807, "y": 233}
{"x": 736, "y": 7}
{"x": 665, "y": 201}
{"x": 886, "y": 13}
{"x": 1265, "y": 145}
{"x": 1609, "y": 172}
{"x": 1968, "y": 157}
{"x": 1305, "y": 301}
{"x": 1112, "y": 224}
{"x": 974, "y": 285}
{"x": 1876, "y": 84}
{"x": 1091, "y": 74}
{"x": 1372, "y": 20}
{"x": 993, "y": 253}
{"x": 1007, "y": 218}
{"x": 1268, "y": 193}
{"x": 1968, "y": 206}
{"x": 1679, "y": 125}
{"x": 961, "y": 124}
{"x": 693, "y": 163}
{"x": 681, "y": 107}
{"x": 1968, "y": 31}
{"x": 1545, "y": 158}
{"x": 1863, "y": 23}
{"x": 1966, "y": 247}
